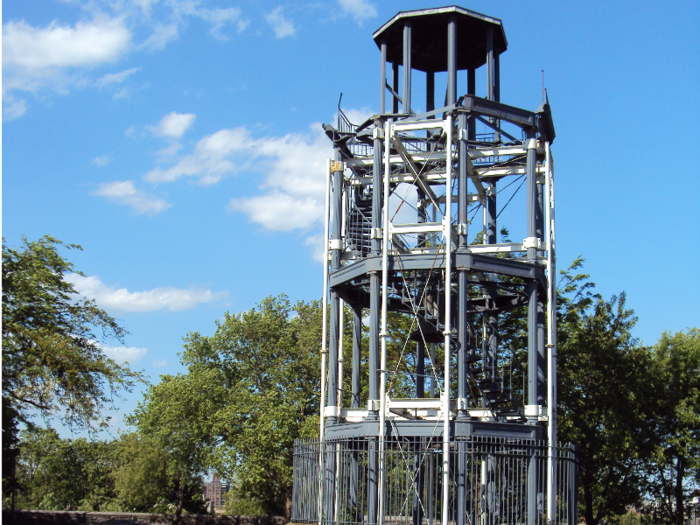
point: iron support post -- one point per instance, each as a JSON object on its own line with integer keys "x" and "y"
{"x": 356, "y": 355}
{"x": 447, "y": 323}
{"x": 385, "y": 291}
{"x": 382, "y": 79}
{"x": 324, "y": 338}
{"x": 451, "y": 61}
{"x": 551, "y": 337}
{"x": 406, "y": 68}
{"x": 335, "y": 298}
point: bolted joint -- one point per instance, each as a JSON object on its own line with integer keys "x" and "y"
{"x": 375, "y": 233}
{"x": 331, "y": 411}
{"x": 532, "y": 242}
{"x": 337, "y": 165}
{"x": 378, "y": 133}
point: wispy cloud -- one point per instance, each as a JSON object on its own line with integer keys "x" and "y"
{"x": 160, "y": 364}
{"x": 124, "y": 354}
{"x": 360, "y": 10}
{"x": 101, "y": 161}
{"x": 116, "y": 78}
{"x": 280, "y": 25}
{"x": 167, "y": 298}
{"x": 173, "y": 125}
{"x": 162, "y": 35}
{"x": 126, "y": 194}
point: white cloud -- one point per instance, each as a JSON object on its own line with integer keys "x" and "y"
{"x": 160, "y": 364}
{"x": 209, "y": 160}
{"x": 101, "y": 161}
{"x": 173, "y": 125}
{"x": 315, "y": 242}
{"x": 124, "y": 354}
{"x": 280, "y": 25}
{"x": 167, "y": 298}
{"x": 116, "y": 78}
{"x": 162, "y": 35}
{"x": 85, "y": 44}
{"x": 293, "y": 168}
{"x": 125, "y": 193}
{"x": 356, "y": 116}
{"x": 280, "y": 211}
{"x": 360, "y": 10}
{"x": 40, "y": 58}
{"x": 12, "y": 107}
{"x": 218, "y": 17}
{"x": 167, "y": 153}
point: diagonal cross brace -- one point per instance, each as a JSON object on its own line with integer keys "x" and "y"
{"x": 414, "y": 170}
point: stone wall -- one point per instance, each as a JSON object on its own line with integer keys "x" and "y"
{"x": 45, "y": 517}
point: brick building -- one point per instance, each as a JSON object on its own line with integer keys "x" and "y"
{"x": 214, "y": 491}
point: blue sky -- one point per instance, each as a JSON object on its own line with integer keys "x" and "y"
{"x": 179, "y": 142}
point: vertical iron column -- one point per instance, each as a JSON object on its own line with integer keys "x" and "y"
{"x": 356, "y": 354}
{"x": 406, "y": 68}
{"x": 395, "y": 85}
{"x": 551, "y": 338}
{"x": 382, "y": 79}
{"x": 430, "y": 91}
{"x": 541, "y": 351}
{"x": 374, "y": 276}
{"x": 532, "y": 320}
{"x": 462, "y": 285}
{"x": 532, "y": 345}
{"x": 491, "y": 237}
{"x": 334, "y": 333}
{"x": 374, "y": 311}
{"x": 324, "y": 338}
{"x": 420, "y": 344}
{"x": 447, "y": 232}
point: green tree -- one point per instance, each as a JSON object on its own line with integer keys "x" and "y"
{"x": 674, "y": 470}
{"x": 10, "y": 451}
{"x": 604, "y": 396}
{"x": 175, "y": 417}
{"x": 52, "y": 364}
{"x": 59, "y": 474}
{"x": 257, "y": 386}
{"x": 141, "y": 480}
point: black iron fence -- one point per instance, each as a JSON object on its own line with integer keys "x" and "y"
{"x": 492, "y": 481}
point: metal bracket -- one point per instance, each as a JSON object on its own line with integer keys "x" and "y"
{"x": 532, "y": 242}
{"x": 446, "y": 223}
{"x": 335, "y": 244}
{"x": 373, "y": 405}
{"x": 462, "y": 228}
{"x": 378, "y": 133}
{"x": 331, "y": 411}
{"x": 531, "y": 144}
{"x": 533, "y": 410}
{"x": 337, "y": 165}
{"x": 375, "y": 233}
{"x": 462, "y": 403}
{"x": 462, "y": 134}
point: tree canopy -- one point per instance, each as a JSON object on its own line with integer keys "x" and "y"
{"x": 52, "y": 362}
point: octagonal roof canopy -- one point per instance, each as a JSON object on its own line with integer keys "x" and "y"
{"x": 429, "y": 37}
